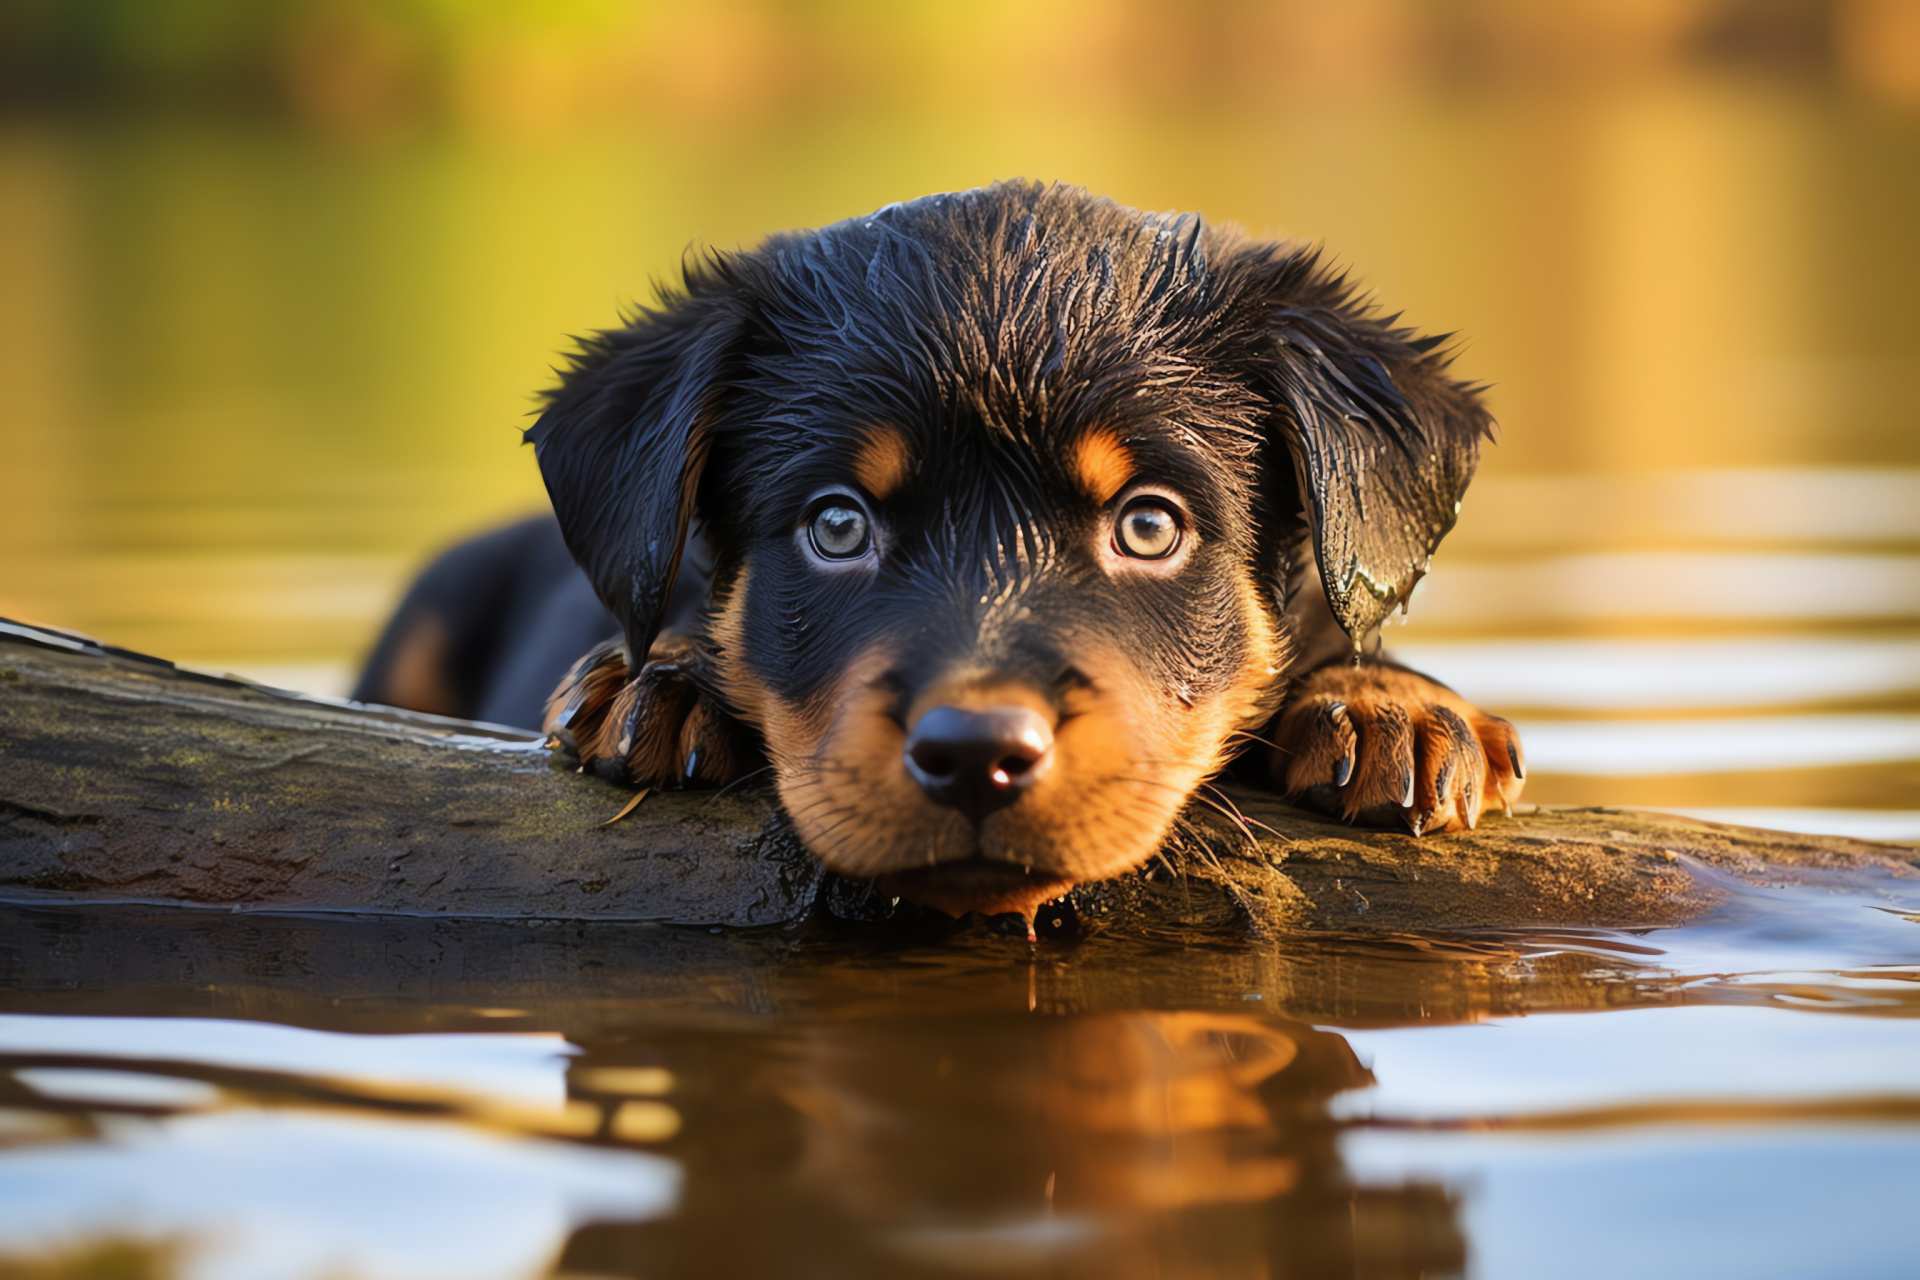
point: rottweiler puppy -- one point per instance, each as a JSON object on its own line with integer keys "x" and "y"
{"x": 996, "y": 523}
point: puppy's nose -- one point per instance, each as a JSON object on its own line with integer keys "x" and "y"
{"x": 978, "y": 761}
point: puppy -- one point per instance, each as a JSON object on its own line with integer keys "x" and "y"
{"x": 997, "y": 523}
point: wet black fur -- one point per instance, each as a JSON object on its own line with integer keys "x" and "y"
{"x": 992, "y": 327}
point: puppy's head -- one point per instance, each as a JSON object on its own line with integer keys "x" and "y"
{"x": 1004, "y": 490}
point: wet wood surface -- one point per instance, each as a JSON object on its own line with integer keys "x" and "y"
{"x": 127, "y": 780}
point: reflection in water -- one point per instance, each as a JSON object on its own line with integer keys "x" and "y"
{"x": 1125, "y": 1111}
{"x": 1675, "y": 1057}
{"x": 1109, "y": 1144}
{"x": 285, "y": 1195}
{"x": 1113, "y": 1144}
{"x": 1761, "y": 1204}
{"x": 524, "y": 1070}
{"x": 842, "y": 1102}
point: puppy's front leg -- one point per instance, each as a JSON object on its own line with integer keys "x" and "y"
{"x": 1378, "y": 745}
{"x": 657, "y": 727}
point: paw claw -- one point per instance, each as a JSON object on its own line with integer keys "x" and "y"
{"x": 577, "y": 703}
{"x": 628, "y": 727}
{"x": 1383, "y": 746}
{"x": 650, "y": 726}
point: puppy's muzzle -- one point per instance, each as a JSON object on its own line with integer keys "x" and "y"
{"x": 978, "y": 761}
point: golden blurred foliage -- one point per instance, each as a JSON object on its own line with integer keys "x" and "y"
{"x": 521, "y": 66}
{"x": 1878, "y": 44}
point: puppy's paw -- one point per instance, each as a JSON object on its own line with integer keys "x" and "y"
{"x": 651, "y": 728}
{"x": 1381, "y": 747}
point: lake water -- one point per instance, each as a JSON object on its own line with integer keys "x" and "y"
{"x": 250, "y": 376}
{"x": 210, "y": 1095}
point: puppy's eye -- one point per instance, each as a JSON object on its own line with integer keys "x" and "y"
{"x": 1147, "y": 530}
{"x": 839, "y": 531}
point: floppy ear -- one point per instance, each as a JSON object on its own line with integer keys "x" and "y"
{"x": 623, "y": 440}
{"x": 1383, "y": 442}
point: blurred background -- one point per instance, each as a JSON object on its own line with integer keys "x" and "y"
{"x": 279, "y": 280}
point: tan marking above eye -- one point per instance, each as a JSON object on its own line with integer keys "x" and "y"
{"x": 1102, "y": 464}
{"x": 882, "y": 462}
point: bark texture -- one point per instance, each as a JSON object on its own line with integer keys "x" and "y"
{"x": 126, "y": 779}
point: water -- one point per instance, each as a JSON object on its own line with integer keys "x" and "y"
{"x": 250, "y": 374}
{"x": 236, "y": 1096}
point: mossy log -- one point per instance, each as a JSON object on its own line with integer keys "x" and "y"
{"x": 126, "y": 779}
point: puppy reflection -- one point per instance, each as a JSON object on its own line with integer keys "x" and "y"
{"x": 1117, "y": 1144}
{"x": 1089, "y": 1115}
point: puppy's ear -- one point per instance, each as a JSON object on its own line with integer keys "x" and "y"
{"x": 1383, "y": 442}
{"x": 624, "y": 437}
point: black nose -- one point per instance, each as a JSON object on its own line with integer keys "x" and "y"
{"x": 978, "y": 761}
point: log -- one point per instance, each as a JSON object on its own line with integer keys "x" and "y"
{"x": 125, "y": 779}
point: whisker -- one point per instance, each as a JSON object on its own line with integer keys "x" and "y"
{"x": 742, "y": 780}
{"x": 1245, "y": 823}
{"x": 1201, "y": 849}
{"x": 1226, "y": 810}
